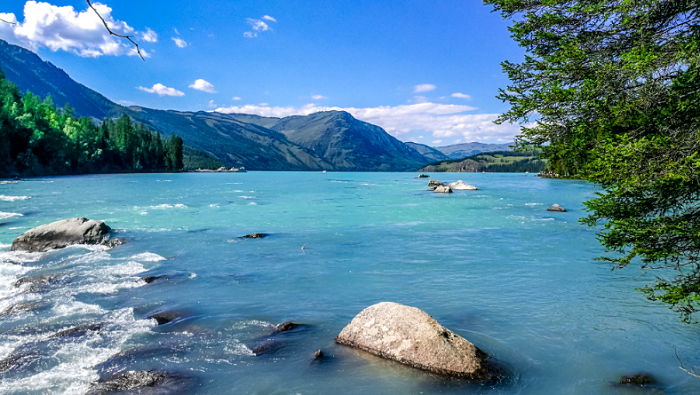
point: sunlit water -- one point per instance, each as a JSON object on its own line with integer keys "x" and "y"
{"x": 492, "y": 265}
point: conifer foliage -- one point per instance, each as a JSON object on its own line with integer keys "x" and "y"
{"x": 38, "y": 139}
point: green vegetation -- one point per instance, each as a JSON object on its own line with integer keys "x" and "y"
{"x": 492, "y": 162}
{"x": 613, "y": 91}
{"x": 38, "y": 139}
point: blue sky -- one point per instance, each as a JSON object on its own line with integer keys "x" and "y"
{"x": 426, "y": 71}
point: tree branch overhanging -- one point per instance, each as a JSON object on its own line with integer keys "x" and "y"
{"x": 138, "y": 50}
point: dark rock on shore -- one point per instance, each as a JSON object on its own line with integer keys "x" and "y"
{"x": 285, "y": 326}
{"x": 61, "y": 234}
{"x": 412, "y": 337}
{"x": 141, "y": 382}
{"x": 80, "y": 330}
{"x": 556, "y": 208}
{"x": 255, "y": 236}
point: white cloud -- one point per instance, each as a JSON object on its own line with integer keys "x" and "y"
{"x": 235, "y": 98}
{"x": 258, "y": 26}
{"x": 437, "y": 141}
{"x": 149, "y": 36}
{"x": 211, "y": 104}
{"x": 441, "y": 120}
{"x": 424, "y": 88}
{"x": 420, "y": 99}
{"x": 420, "y": 137}
{"x": 176, "y": 31}
{"x": 318, "y": 97}
{"x": 179, "y": 42}
{"x": 461, "y": 96}
{"x": 203, "y": 86}
{"x": 63, "y": 28}
{"x": 162, "y": 90}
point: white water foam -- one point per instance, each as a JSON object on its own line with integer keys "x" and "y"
{"x": 165, "y": 206}
{"x": 13, "y": 198}
{"x": 247, "y": 197}
{"x": 148, "y": 257}
{"x": 4, "y": 215}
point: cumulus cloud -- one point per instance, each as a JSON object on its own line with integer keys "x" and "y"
{"x": 424, "y": 88}
{"x": 318, "y": 97}
{"x": 149, "y": 36}
{"x": 235, "y": 98}
{"x": 162, "y": 90}
{"x": 461, "y": 96}
{"x": 258, "y": 25}
{"x": 179, "y": 42}
{"x": 441, "y": 120}
{"x": 437, "y": 141}
{"x": 203, "y": 86}
{"x": 64, "y": 28}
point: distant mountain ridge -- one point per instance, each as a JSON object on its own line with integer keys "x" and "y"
{"x": 459, "y": 151}
{"x": 332, "y": 140}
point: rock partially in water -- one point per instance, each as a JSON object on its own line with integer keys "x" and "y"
{"x": 268, "y": 346}
{"x": 255, "y": 236}
{"x": 412, "y": 337}
{"x": 435, "y": 183}
{"x": 80, "y": 330}
{"x": 150, "y": 279}
{"x": 640, "y": 379}
{"x": 61, "y": 234}
{"x": 461, "y": 186}
{"x": 22, "y": 307}
{"x": 39, "y": 282}
{"x": 141, "y": 382}
{"x": 318, "y": 354}
{"x": 556, "y": 208}
{"x": 443, "y": 189}
{"x": 18, "y": 359}
{"x": 285, "y": 326}
{"x": 165, "y": 317}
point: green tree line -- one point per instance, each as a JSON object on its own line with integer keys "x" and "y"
{"x": 610, "y": 90}
{"x": 38, "y": 139}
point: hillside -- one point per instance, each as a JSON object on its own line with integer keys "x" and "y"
{"x": 323, "y": 141}
{"x": 492, "y": 162}
{"x": 429, "y": 152}
{"x": 458, "y": 151}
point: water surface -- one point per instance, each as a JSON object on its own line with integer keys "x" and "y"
{"x": 492, "y": 265}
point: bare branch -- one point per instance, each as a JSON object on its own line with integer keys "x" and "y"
{"x": 11, "y": 23}
{"x": 115, "y": 34}
{"x": 681, "y": 367}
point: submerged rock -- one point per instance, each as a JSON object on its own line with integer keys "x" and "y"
{"x": 80, "y": 330}
{"x": 461, "y": 186}
{"x": 412, "y": 337}
{"x": 61, "y": 234}
{"x": 150, "y": 279}
{"x": 318, "y": 354}
{"x": 38, "y": 282}
{"x": 557, "y": 208}
{"x": 285, "y": 326}
{"x": 21, "y": 307}
{"x": 443, "y": 189}
{"x": 141, "y": 381}
{"x": 165, "y": 317}
{"x": 435, "y": 183}
{"x": 268, "y": 346}
{"x": 640, "y": 379}
{"x": 18, "y": 359}
{"x": 255, "y": 236}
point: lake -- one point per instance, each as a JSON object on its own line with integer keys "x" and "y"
{"x": 492, "y": 265}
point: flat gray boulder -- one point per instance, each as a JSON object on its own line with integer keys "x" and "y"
{"x": 556, "y": 207}
{"x": 61, "y": 234}
{"x": 412, "y": 337}
{"x": 442, "y": 189}
{"x": 461, "y": 186}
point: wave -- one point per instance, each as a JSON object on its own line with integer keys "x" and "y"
{"x": 13, "y": 198}
{"x": 4, "y": 215}
{"x": 247, "y": 197}
{"x": 166, "y": 206}
{"x": 148, "y": 257}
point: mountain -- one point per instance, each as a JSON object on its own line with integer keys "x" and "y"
{"x": 491, "y": 162}
{"x": 427, "y": 151}
{"x": 331, "y": 140}
{"x": 459, "y": 151}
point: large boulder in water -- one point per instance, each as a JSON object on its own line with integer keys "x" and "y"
{"x": 461, "y": 186}
{"x": 61, "y": 234}
{"x": 435, "y": 183}
{"x": 412, "y": 337}
{"x": 556, "y": 208}
{"x": 442, "y": 189}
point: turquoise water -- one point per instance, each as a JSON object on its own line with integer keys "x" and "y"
{"x": 492, "y": 265}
